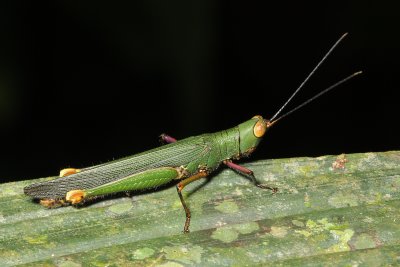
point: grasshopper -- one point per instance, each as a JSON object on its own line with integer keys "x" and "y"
{"x": 186, "y": 160}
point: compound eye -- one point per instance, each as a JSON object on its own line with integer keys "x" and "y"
{"x": 260, "y": 128}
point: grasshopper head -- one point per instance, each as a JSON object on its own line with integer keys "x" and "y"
{"x": 251, "y": 132}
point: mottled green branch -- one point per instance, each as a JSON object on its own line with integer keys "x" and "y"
{"x": 330, "y": 210}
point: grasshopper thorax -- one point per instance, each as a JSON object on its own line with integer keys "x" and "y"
{"x": 251, "y": 133}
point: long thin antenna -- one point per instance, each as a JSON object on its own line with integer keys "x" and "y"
{"x": 309, "y": 75}
{"x": 316, "y": 96}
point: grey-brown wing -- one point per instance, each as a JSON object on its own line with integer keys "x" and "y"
{"x": 172, "y": 155}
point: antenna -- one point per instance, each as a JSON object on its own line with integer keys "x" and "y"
{"x": 316, "y": 96}
{"x": 308, "y": 77}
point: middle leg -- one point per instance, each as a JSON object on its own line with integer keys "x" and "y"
{"x": 179, "y": 188}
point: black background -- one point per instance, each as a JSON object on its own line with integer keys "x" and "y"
{"x": 85, "y": 82}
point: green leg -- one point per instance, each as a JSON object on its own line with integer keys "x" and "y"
{"x": 143, "y": 180}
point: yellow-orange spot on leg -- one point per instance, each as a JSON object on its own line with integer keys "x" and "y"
{"x": 52, "y": 203}
{"x": 75, "y": 196}
{"x": 68, "y": 171}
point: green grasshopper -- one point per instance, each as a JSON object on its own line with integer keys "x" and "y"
{"x": 186, "y": 160}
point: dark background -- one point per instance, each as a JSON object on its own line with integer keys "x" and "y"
{"x": 86, "y": 82}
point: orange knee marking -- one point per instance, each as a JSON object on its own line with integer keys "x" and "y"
{"x": 68, "y": 171}
{"x": 195, "y": 177}
{"x": 75, "y": 196}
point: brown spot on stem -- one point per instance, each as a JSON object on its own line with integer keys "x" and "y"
{"x": 340, "y": 162}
